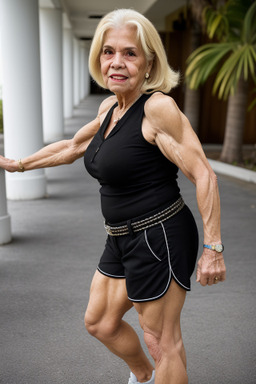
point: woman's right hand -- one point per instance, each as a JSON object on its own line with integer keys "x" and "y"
{"x": 8, "y": 165}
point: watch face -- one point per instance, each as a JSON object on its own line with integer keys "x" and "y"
{"x": 219, "y": 248}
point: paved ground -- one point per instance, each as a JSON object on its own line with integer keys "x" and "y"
{"x": 45, "y": 277}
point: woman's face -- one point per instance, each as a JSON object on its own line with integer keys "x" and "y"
{"x": 123, "y": 62}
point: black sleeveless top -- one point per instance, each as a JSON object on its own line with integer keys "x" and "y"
{"x": 135, "y": 176}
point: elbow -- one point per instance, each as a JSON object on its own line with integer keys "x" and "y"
{"x": 70, "y": 160}
{"x": 208, "y": 177}
{"x": 72, "y": 153}
{"x": 213, "y": 178}
{"x": 71, "y": 157}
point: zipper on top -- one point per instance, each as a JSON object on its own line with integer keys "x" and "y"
{"x": 97, "y": 150}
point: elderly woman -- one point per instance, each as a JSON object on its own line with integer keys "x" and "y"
{"x": 134, "y": 147}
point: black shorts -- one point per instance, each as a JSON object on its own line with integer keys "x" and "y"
{"x": 149, "y": 259}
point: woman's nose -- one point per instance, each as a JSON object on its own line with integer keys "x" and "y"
{"x": 117, "y": 61}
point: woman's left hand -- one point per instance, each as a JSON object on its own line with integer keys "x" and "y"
{"x": 211, "y": 268}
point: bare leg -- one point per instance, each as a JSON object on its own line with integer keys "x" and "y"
{"x": 160, "y": 321}
{"x": 103, "y": 319}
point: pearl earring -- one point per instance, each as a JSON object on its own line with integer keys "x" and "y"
{"x": 146, "y": 75}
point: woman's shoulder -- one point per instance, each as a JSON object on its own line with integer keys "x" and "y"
{"x": 161, "y": 106}
{"x": 107, "y": 104}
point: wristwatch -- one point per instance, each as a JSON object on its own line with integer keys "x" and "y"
{"x": 217, "y": 247}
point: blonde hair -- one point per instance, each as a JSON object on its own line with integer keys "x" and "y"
{"x": 162, "y": 77}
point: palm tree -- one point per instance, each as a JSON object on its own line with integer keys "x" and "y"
{"x": 192, "y": 96}
{"x": 234, "y": 60}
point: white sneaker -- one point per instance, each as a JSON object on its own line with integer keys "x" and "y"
{"x": 133, "y": 379}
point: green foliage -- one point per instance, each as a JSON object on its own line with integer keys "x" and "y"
{"x": 1, "y": 117}
{"x": 233, "y": 24}
{"x": 226, "y": 20}
{"x": 216, "y": 22}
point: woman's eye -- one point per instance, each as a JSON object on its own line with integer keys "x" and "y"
{"x": 107, "y": 52}
{"x": 131, "y": 53}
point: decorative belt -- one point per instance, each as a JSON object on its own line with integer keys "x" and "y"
{"x": 140, "y": 225}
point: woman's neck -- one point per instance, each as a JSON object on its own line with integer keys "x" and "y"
{"x": 125, "y": 102}
{"x": 123, "y": 105}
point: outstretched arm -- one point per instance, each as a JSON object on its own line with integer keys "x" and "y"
{"x": 61, "y": 152}
{"x": 172, "y": 133}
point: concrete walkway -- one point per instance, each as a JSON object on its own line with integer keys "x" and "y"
{"x": 45, "y": 276}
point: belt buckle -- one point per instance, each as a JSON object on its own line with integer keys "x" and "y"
{"x": 108, "y": 229}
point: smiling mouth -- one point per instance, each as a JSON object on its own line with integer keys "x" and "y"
{"x": 118, "y": 77}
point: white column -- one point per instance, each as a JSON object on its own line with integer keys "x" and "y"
{"x": 51, "y": 73}
{"x": 76, "y": 70}
{"x": 86, "y": 70}
{"x": 5, "y": 219}
{"x": 22, "y": 94}
{"x": 68, "y": 72}
{"x": 1, "y": 81}
{"x": 82, "y": 69}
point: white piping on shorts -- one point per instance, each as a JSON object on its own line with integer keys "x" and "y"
{"x": 170, "y": 260}
{"x": 170, "y": 272}
{"x": 109, "y": 275}
{"x": 151, "y": 250}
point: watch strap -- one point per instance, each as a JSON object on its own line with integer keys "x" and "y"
{"x": 215, "y": 247}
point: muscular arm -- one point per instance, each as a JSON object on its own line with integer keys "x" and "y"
{"x": 170, "y": 130}
{"x": 61, "y": 152}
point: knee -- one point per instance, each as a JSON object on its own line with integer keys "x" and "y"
{"x": 153, "y": 345}
{"x": 161, "y": 347}
{"x": 100, "y": 327}
{"x": 91, "y": 324}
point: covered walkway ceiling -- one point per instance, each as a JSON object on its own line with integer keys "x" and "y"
{"x": 84, "y": 14}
